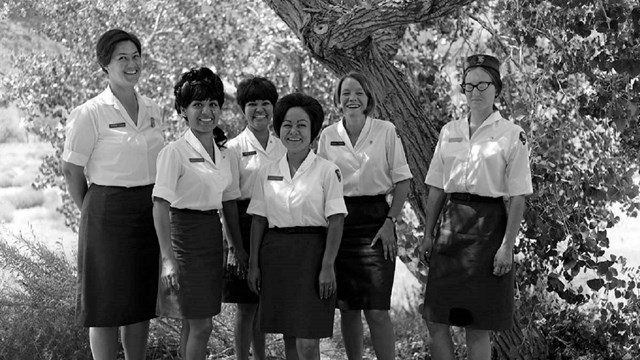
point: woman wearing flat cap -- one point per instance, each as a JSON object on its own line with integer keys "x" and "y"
{"x": 114, "y": 139}
{"x": 479, "y": 162}
{"x": 370, "y": 156}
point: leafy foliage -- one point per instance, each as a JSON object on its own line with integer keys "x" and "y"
{"x": 40, "y": 306}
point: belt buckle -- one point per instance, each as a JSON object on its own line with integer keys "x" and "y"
{"x": 467, "y": 197}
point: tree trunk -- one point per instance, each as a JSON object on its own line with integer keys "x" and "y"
{"x": 364, "y": 36}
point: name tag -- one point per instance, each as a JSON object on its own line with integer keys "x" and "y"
{"x": 275, "y": 178}
{"x": 458, "y": 139}
{"x": 118, "y": 125}
{"x": 337, "y": 143}
{"x": 249, "y": 153}
{"x": 196, "y": 159}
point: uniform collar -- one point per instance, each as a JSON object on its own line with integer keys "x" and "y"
{"x": 342, "y": 131}
{"x": 193, "y": 141}
{"x": 306, "y": 164}
{"x": 253, "y": 140}
{"x": 109, "y": 98}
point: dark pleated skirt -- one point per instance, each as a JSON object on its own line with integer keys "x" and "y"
{"x": 235, "y": 289}
{"x": 461, "y": 288}
{"x": 365, "y": 278}
{"x": 118, "y": 257}
{"x": 290, "y": 301}
{"x": 196, "y": 237}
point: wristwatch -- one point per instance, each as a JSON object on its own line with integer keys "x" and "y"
{"x": 393, "y": 220}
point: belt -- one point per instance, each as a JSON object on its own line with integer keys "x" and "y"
{"x": 300, "y": 230}
{"x": 196, "y": 212}
{"x": 365, "y": 199}
{"x": 474, "y": 198}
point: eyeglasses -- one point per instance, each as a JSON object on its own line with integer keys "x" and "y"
{"x": 481, "y": 86}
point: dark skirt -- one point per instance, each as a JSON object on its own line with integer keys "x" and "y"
{"x": 461, "y": 288}
{"x": 365, "y": 278}
{"x": 235, "y": 289}
{"x": 196, "y": 237}
{"x": 118, "y": 257}
{"x": 290, "y": 301}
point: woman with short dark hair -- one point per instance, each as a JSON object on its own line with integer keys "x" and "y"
{"x": 115, "y": 138}
{"x": 298, "y": 211}
{"x": 252, "y": 148}
{"x": 194, "y": 182}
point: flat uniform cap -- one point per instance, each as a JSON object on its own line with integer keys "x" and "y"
{"x": 481, "y": 60}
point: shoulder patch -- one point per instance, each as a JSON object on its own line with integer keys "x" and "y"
{"x": 339, "y": 175}
{"x": 523, "y": 138}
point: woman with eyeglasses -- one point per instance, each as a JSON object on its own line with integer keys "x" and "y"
{"x": 479, "y": 162}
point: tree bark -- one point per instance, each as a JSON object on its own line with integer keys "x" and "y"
{"x": 364, "y": 35}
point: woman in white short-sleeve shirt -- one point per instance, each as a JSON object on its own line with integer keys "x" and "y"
{"x": 194, "y": 182}
{"x": 479, "y": 161}
{"x": 298, "y": 211}
{"x": 370, "y": 155}
{"x": 252, "y": 148}
{"x": 112, "y": 142}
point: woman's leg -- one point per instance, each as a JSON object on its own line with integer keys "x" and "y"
{"x": 441, "y": 343}
{"x": 103, "y": 342}
{"x": 184, "y": 338}
{"x": 199, "y": 332}
{"x": 351, "y": 326}
{"x": 258, "y": 343}
{"x": 382, "y": 335}
{"x": 247, "y": 332}
{"x": 478, "y": 344}
{"x": 308, "y": 349}
{"x": 134, "y": 340}
{"x": 290, "y": 348}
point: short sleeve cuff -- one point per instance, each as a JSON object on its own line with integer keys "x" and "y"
{"x": 164, "y": 193}
{"x": 75, "y": 158}
{"x": 231, "y": 195}
{"x": 516, "y": 189}
{"x": 257, "y": 207}
{"x": 434, "y": 179}
{"x": 335, "y": 206}
{"x": 400, "y": 174}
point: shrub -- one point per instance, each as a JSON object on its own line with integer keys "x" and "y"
{"x": 38, "y": 314}
{"x": 25, "y": 198}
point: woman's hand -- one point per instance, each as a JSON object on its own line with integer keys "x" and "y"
{"x": 387, "y": 235}
{"x": 170, "y": 275}
{"x": 327, "y": 281}
{"x": 503, "y": 260}
{"x": 242, "y": 259}
{"x": 425, "y": 248}
{"x": 253, "y": 278}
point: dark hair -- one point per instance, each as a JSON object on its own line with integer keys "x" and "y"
{"x": 310, "y": 105}
{"x": 256, "y": 88}
{"x": 107, "y": 44}
{"x": 200, "y": 84}
{"x": 371, "y": 100}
